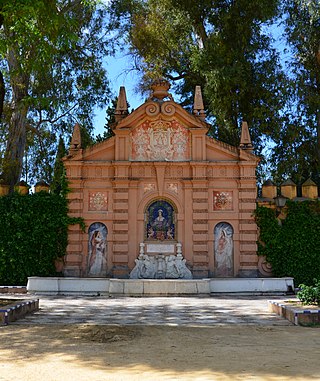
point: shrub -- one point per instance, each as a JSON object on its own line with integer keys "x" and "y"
{"x": 33, "y": 233}
{"x": 310, "y": 294}
{"x": 292, "y": 247}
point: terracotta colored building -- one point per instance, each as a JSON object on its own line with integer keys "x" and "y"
{"x": 161, "y": 197}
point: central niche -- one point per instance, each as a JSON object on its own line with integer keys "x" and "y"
{"x": 160, "y": 221}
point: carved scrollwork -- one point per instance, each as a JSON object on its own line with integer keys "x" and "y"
{"x": 152, "y": 109}
{"x": 264, "y": 267}
{"x": 168, "y": 109}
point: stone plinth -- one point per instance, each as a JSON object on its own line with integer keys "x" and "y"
{"x": 153, "y": 287}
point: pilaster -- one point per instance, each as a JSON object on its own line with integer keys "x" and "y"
{"x": 200, "y": 228}
{"x": 247, "y": 229}
{"x": 120, "y": 227}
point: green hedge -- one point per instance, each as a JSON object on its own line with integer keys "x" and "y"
{"x": 33, "y": 233}
{"x": 292, "y": 247}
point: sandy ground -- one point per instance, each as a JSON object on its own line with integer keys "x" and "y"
{"x": 88, "y": 352}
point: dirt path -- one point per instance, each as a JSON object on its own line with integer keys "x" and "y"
{"x": 88, "y": 352}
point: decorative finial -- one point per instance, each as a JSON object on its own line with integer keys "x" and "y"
{"x": 245, "y": 139}
{"x": 122, "y": 105}
{"x": 75, "y": 143}
{"x": 160, "y": 89}
{"x": 198, "y": 108}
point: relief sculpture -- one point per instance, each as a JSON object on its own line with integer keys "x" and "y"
{"x": 160, "y": 141}
{"x": 160, "y": 267}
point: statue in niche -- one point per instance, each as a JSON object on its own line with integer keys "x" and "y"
{"x": 160, "y": 221}
{"x": 223, "y": 250}
{"x": 97, "y": 257}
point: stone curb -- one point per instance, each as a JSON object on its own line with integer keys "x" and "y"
{"x": 17, "y": 311}
{"x": 13, "y": 289}
{"x": 303, "y": 317}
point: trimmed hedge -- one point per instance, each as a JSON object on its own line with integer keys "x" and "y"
{"x": 292, "y": 247}
{"x": 33, "y": 234}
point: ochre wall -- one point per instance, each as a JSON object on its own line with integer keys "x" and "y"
{"x": 215, "y": 184}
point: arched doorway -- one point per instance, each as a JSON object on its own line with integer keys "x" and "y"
{"x": 223, "y": 250}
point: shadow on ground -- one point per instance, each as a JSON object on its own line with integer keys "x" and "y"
{"x": 162, "y": 352}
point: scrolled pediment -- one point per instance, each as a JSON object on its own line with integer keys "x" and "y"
{"x": 166, "y": 110}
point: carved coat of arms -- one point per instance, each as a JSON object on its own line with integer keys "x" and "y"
{"x": 159, "y": 141}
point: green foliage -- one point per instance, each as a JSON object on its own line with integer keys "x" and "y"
{"x": 110, "y": 121}
{"x": 59, "y": 183}
{"x": 297, "y": 150}
{"x": 255, "y": 60}
{"x": 269, "y": 230}
{"x": 33, "y": 233}
{"x": 310, "y": 294}
{"x": 219, "y": 45}
{"x": 292, "y": 247}
{"x": 51, "y": 58}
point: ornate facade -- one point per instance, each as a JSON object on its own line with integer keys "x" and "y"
{"x": 163, "y": 194}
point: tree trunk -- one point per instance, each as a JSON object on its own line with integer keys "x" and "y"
{"x": 2, "y": 93}
{"x": 14, "y": 153}
{"x": 317, "y": 71}
{"x": 318, "y": 142}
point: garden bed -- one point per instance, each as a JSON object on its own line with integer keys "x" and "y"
{"x": 13, "y": 309}
{"x": 296, "y": 312}
{"x": 13, "y": 289}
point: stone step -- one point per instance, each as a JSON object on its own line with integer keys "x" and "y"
{"x": 157, "y": 287}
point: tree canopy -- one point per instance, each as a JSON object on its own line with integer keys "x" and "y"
{"x": 51, "y": 60}
{"x": 297, "y": 150}
{"x": 229, "y": 47}
{"x": 52, "y": 72}
{"x": 221, "y": 45}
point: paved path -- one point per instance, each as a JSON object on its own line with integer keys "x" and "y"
{"x": 186, "y": 311}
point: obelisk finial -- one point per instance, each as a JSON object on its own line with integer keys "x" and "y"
{"x": 122, "y": 105}
{"x": 245, "y": 139}
{"x": 75, "y": 143}
{"x": 198, "y": 108}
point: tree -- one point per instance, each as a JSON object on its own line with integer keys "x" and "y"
{"x": 110, "y": 121}
{"x": 51, "y": 56}
{"x": 221, "y": 45}
{"x": 58, "y": 184}
{"x": 297, "y": 151}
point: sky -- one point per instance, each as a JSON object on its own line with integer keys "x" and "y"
{"x": 117, "y": 68}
